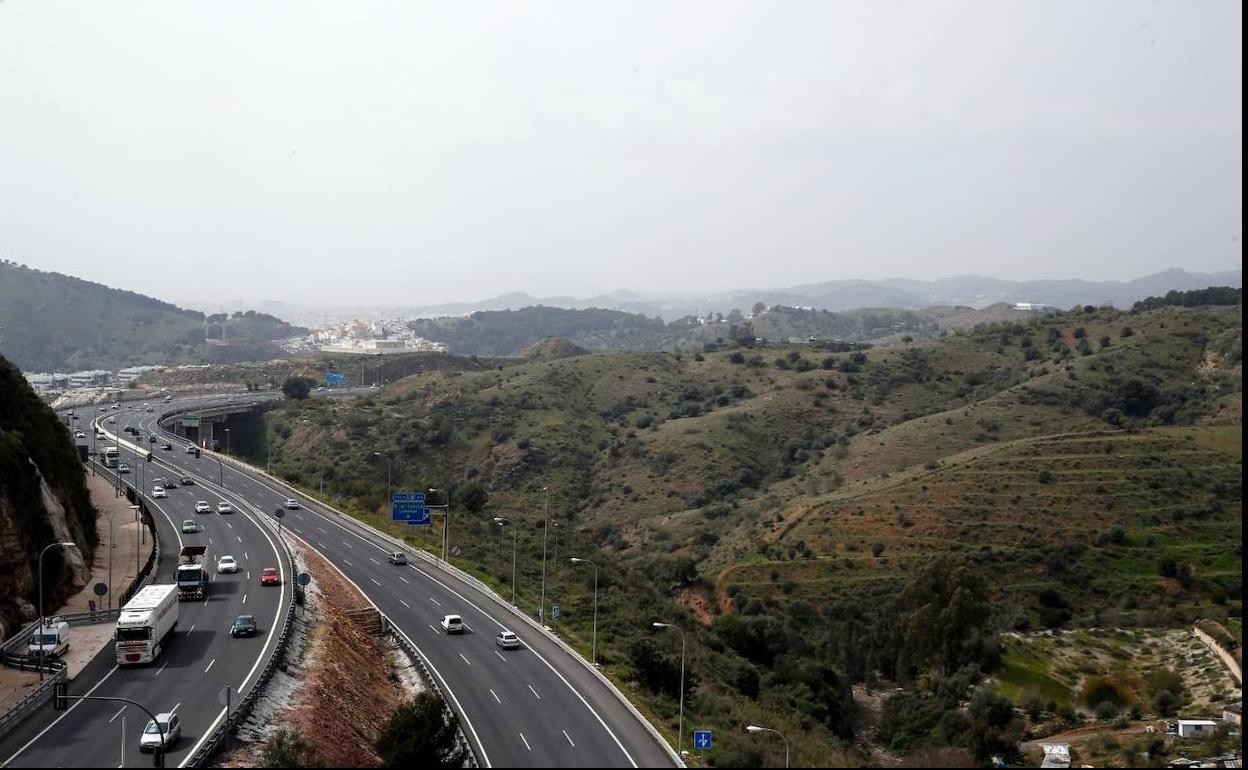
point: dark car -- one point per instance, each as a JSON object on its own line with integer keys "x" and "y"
{"x": 244, "y": 625}
{"x": 151, "y": 439}
{"x": 187, "y": 481}
{"x": 166, "y": 446}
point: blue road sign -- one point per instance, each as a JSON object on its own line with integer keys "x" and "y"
{"x": 409, "y": 507}
{"x": 334, "y": 378}
{"x": 702, "y": 739}
{"x": 555, "y": 611}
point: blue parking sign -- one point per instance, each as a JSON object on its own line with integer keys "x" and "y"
{"x": 702, "y": 739}
{"x": 409, "y": 507}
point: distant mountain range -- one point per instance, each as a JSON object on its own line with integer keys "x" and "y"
{"x": 968, "y": 291}
{"x": 900, "y": 293}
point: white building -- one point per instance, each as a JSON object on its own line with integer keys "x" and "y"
{"x": 90, "y": 378}
{"x": 131, "y": 373}
{"x": 1055, "y": 754}
{"x": 1196, "y": 728}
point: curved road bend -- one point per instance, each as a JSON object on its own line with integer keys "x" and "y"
{"x": 200, "y": 662}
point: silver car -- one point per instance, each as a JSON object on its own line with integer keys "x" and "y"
{"x": 166, "y": 726}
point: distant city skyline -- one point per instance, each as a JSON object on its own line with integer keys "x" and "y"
{"x": 383, "y": 154}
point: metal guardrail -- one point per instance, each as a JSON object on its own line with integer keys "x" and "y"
{"x": 14, "y": 716}
{"x": 427, "y": 676}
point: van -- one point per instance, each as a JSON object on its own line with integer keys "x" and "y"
{"x": 52, "y": 638}
{"x": 453, "y": 624}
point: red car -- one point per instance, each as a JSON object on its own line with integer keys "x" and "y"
{"x": 268, "y": 577}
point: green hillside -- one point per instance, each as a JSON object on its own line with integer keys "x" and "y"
{"x": 506, "y": 332}
{"x": 801, "y": 510}
{"x": 53, "y": 322}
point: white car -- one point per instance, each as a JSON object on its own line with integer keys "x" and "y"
{"x": 190, "y": 449}
{"x": 202, "y": 506}
{"x": 159, "y": 492}
{"x": 290, "y": 503}
{"x": 507, "y": 640}
{"x": 79, "y": 434}
{"x": 453, "y": 624}
{"x": 227, "y": 564}
{"x": 123, "y": 467}
{"x": 224, "y": 507}
{"x": 164, "y": 730}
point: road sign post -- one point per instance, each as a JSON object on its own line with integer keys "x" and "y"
{"x": 409, "y": 507}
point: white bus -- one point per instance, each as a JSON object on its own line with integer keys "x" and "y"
{"x": 109, "y": 456}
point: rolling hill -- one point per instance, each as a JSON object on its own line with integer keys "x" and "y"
{"x": 787, "y": 503}
{"x": 53, "y": 322}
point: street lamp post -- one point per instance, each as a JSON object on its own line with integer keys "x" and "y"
{"x": 594, "y": 644}
{"x": 138, "y": 539}
{"x": 502, "y": 522}
{"x": 39, "y": 630}
{"x": 541, "y": 613}
{"x": 389, "y": 486}
{"x": 755, "y": 729}
{"x": 227, "y": 441}
{"x": 680, "y": 736}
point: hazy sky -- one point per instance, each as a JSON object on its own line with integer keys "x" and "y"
{"x": 357, "y": 152}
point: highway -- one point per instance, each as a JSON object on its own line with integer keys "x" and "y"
{"x": 532, "y": 707}
{"x": 202, "y": 658}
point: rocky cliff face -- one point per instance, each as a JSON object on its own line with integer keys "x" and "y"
{"x": 43, "y": 499}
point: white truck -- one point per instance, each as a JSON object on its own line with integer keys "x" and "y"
{"x": 145, "y": 623}
{"x": 110, "y": 455}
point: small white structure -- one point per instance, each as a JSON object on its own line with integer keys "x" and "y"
{"x": 1196, "y": 728}
{"x": 1055, "y": 754}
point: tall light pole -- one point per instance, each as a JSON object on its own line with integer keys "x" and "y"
{"x": 515, "y": 532}
{"x": 389, "y": 486}
{"x": 541, "y": 613}
{"x": 755, "y": 729}
{"x": 39, "y": 631}
{"x": 138, "y": 539}
{"x": 680, "y": 736}
{"x": 594, "y": 644}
